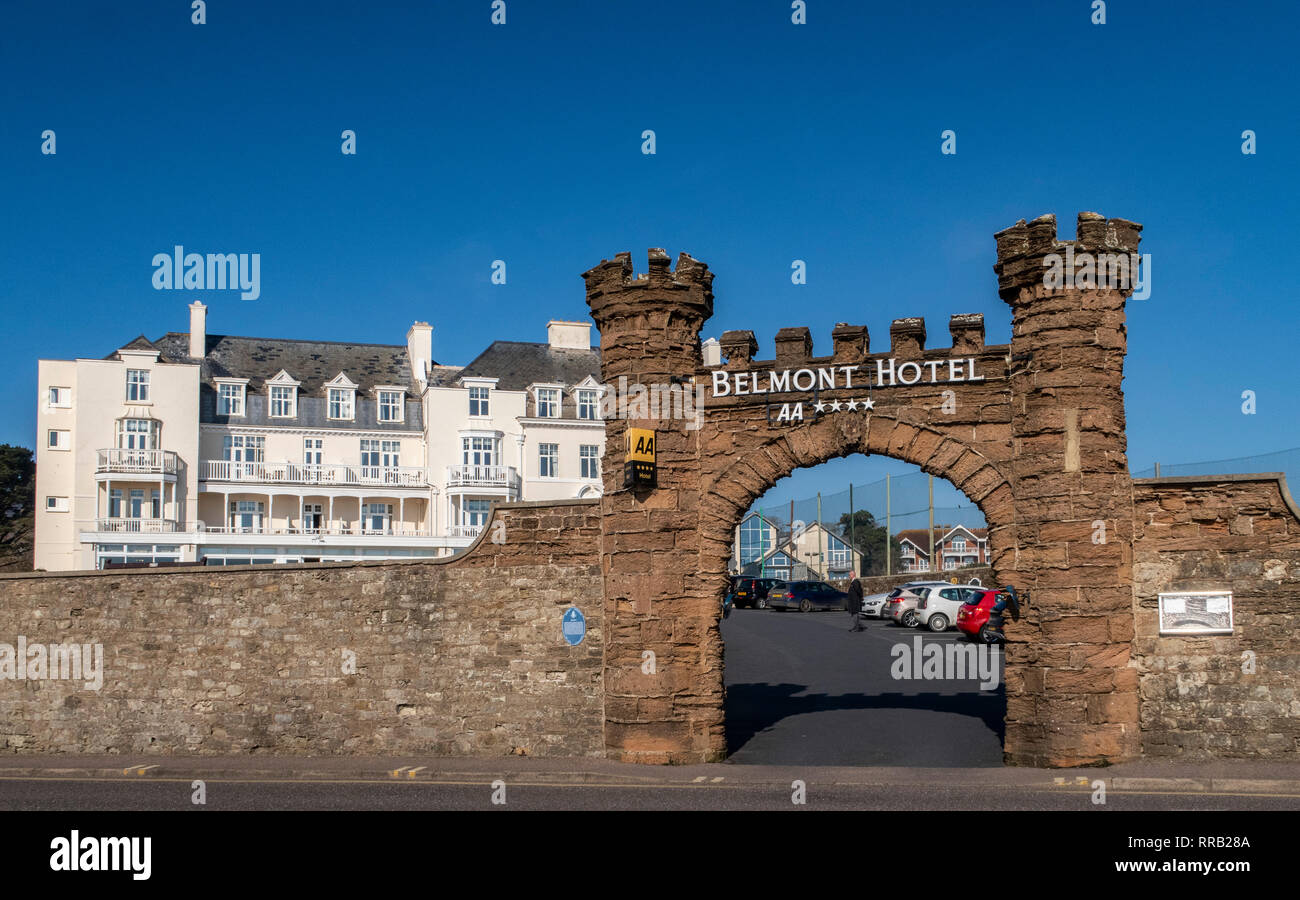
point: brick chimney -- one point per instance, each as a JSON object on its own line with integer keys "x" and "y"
{"x": 198, "y": 330}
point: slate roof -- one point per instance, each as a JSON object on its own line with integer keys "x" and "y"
{"x": 311, "y": 362}
{"x": 519, "y": 363}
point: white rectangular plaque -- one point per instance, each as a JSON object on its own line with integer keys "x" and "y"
{"x": 1196, "y": 612}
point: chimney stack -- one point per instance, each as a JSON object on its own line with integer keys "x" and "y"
{"x": 711, "y": 350}
{"x": 419, "y": 348}
{"x": 568, "y": 335}
{"x": 198, "y": 330}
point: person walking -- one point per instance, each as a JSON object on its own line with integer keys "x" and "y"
{"x": 855, "y": 602}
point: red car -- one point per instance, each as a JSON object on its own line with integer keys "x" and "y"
{"x": 973, "y": 618}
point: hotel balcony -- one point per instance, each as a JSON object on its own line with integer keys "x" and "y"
{"x": 139, "y": 526}
{"x": 334, "y": 531}
{"x": 329, "y": 475}
{"x": 503, "y": 480}
{"x": 117, "y": 461}
{"x": 464, "y": 531}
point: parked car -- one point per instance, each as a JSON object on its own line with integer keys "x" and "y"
{"x": 806, "y": 596}
{"x": 874, "y": 605}
{"x": 752, "y": 592}
{"x": 974, "y": 620}
{"x": 938, "y": 609}
{"x": 904, "y": 599}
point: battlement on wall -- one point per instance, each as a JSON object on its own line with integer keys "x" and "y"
{"x": 1023, "y": 246}
{"x": 852, "y": 343}
{"x": 689, "y": 284}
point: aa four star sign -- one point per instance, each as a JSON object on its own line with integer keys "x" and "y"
{"x": 835, "y": 406}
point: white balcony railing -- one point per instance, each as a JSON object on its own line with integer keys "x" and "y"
{"x": 140, "y": 526}
{"x": 335, "y": 530}
{"x": 483, "y": 477}
{"x": 469, "y": 531}
{"x": 116, "y": 460}
{"x": 326, "y": 474}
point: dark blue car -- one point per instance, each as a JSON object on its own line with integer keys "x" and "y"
{"x": 806, "y": 596}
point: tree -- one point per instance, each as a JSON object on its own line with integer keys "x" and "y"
{"x": 17, "y": 508}
{"x": 864, "y": 534}
{"x": 17, "y": 482}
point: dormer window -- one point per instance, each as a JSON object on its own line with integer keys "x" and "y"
{"x": 586, "y": 404}
{"x": 391, "y": 405}
{"x": 341, "y": 398}
{"x": 284, "y": 401}
{"x": 548, "y": 403}
{"x": 282, "y": 394}
{"x": 342, "y": 403}
{"x": 230, "y": 398}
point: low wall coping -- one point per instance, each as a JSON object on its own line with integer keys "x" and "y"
{"x": 197, "y": 569}
{"x": 1279, "y": 477}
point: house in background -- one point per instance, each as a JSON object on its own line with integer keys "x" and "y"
{"x": 763, "y": 547}
{"x": 955, "y": 546}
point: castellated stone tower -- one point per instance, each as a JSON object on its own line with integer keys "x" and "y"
{"x": 663, "y": 653}
{"x": 1071, "y": 694}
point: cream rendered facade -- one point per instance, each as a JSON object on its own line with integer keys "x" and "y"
{"x": 230, "y": 462}
{"x": 110, "y": 480}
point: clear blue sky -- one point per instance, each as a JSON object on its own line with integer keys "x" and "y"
{"x": 775, "y": 142}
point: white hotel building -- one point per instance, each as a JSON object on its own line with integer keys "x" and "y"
{"x": 233, "y": 450}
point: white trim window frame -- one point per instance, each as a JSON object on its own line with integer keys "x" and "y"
{"x": 283, "y": 401}
{"x": 479, "y": 401}
{"x": 589, "y": 459}
{"x": 548, "y": 400}
{"x": 137, "y": 385}
{"x": 548, "y": 460}
{"x": 477, "y": 450}
{"x": 391, "y": 405}
{"x": 60, "y": 397}
{"x": 342, "y": 404}
{"x": 58, "y": 439}
{"x": 588, "y": 403}
{"x": 138, "y": 434}
{"x": 231, "y": 398}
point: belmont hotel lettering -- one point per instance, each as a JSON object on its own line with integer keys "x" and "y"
{"x": 886, "y": 373}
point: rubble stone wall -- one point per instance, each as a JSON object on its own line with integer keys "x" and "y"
{"x": 1232, "y": 695}
{"x": 452, "y": 658}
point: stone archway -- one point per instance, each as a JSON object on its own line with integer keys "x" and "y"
{"x": 729, "y": 494}
{"x": 1032, "y": 431}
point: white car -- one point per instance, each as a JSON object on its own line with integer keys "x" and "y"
{"x": 874, "y": 605}
{"x": 938, "y": 607}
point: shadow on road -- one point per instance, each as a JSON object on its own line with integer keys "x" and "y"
{"x": 752, "y": 708}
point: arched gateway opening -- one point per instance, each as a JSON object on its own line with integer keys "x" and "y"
{"x": 803, "y": 687}
{"x": 1032, "y": 431}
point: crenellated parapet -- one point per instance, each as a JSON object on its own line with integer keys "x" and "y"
{"x": 614, "y": 291}
{"x": 967, "y": 330}
{"x": 1024, "y": 248}
{"x": 793, "y": 346}
{"x": 852, "y": 344}
{"x": 738, "y": 348}
{"x": 907, "y": 337}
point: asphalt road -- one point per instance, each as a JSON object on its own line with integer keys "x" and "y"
{"x": 522, "y": 792}
{"x": 804, "y": 690}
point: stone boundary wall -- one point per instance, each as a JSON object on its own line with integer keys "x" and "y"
{"x": 455, "y": 657}
{"x": 1237, "y": 532}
